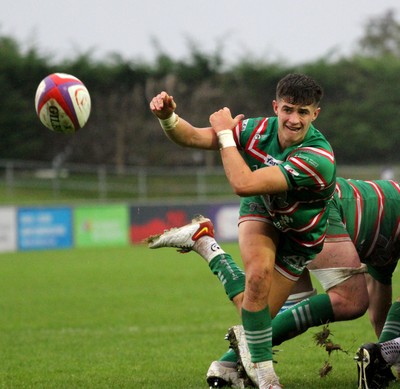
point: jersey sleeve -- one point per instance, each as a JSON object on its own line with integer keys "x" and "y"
{"x": 245, "y": 130}
{"x": 310, "y": 168}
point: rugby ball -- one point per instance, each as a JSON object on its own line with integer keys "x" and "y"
{"x": 62, "y": 103}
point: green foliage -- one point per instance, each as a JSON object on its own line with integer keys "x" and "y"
{"x": 359, "y": 108}
{"x": 382, "y": 36}
{"x": 18, "y": 75}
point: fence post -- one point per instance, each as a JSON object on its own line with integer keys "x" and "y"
{"x": 56, "y": 182}
{"x": 102, "y": 182}
{"x": 10, "y": 178}
{"x": 201, "y": 186}
{"x": 142, "y": 184}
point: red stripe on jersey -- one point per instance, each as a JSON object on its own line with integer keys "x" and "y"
{"x": 314, "y": 243}
{"x": 314, "y": 221}
{"x": 309, "y": 226}
{"x": 337, "y": 238}
{"x": 251, "y": 216}
{"x": 286, "y": 272}
{"x": 397, "y": 229}
{"x": 236, "y": 134}
{"x": 287, "y": 211}
{"x": 381, "y": 204}
{"x": 322, "y": 152}
{"x": 396, "y": 185}
{"x": 252, "y": 143}
{"x": 338, "y": 190}
{"x": 310, "y": 171}
{"x": 358, "y": 215}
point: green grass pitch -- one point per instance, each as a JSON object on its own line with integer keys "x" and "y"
{"x": 136, "y": 318}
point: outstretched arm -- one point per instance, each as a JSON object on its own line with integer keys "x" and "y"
{"x": 179, "y": 130}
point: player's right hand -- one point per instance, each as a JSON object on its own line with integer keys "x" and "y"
{"x": 162, "y": 105}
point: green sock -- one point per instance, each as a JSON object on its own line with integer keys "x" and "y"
{"x": 230, "y": 274}
{"x": 258, "y": 330}
{"x": 310, "y": 312}
{"x": 391, "y": 329}
{"x": 229, "y": 356}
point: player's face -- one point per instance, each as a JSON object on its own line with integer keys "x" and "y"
{"x": 293, "y": 121}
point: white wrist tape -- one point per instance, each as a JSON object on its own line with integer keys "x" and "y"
{"x": 169, "y": 123}
{"x": 225, "y": 139}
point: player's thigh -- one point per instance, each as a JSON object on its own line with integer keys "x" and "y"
{"x": 340, "y": 274}
{"x": 336, "y": 254}
{"x": 258, "y": 243}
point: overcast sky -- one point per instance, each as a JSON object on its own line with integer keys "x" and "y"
{"x": 295, "y": 31}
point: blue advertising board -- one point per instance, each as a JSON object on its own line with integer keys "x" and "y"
{"x": 44, "y": 228}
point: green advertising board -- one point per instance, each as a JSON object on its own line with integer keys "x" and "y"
{"x": 105, "y": 225}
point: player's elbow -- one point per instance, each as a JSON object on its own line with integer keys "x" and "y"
{"x": 239, "y": 191}
{"x": 195, "y": 142}
{"x": 243, "y": 189}
{"x": 245, "y": 185}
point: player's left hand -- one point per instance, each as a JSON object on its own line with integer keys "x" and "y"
{"x": 223, "y": 120}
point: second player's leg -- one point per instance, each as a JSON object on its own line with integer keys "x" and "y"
{"x": 346, "y": 288}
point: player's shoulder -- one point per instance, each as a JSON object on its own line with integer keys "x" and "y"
{"x": 316, "y": 136}
{"x": 316, "y": 143}
{"x": 258, "y": 122}
{"x": 257, "y": 126}
{"x": 317, "y": 152}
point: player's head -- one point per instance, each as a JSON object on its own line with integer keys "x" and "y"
{"x": 299, "y": 89}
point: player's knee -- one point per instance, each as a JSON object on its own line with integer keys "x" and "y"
{"x": 348, "y": 304}
{"x": 258, "y": 281}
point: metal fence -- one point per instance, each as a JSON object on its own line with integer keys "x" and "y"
{"x": 37, "y": 181}
{"x": 73, "y": 181}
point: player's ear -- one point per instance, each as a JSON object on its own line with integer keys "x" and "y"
{"x": 316, "y": 113}
{"x": 275, "y": 106}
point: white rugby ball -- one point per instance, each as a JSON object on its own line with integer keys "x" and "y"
{"x": 62, "y": 103}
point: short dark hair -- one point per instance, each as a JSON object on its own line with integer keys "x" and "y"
{"x": 299, "y": 89}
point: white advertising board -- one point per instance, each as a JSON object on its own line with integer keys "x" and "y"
{"x": 8, "y": 229}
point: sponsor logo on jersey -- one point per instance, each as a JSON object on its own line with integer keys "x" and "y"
{"x": 271, "y": 161}
{"x": 283, "y": 223}
{"x": 255, "y": 207}
{"x": 311, "y": 161}
{"x": 295, "y": 261}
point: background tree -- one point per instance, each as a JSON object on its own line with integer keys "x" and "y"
{"x": 381, "y": 37}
